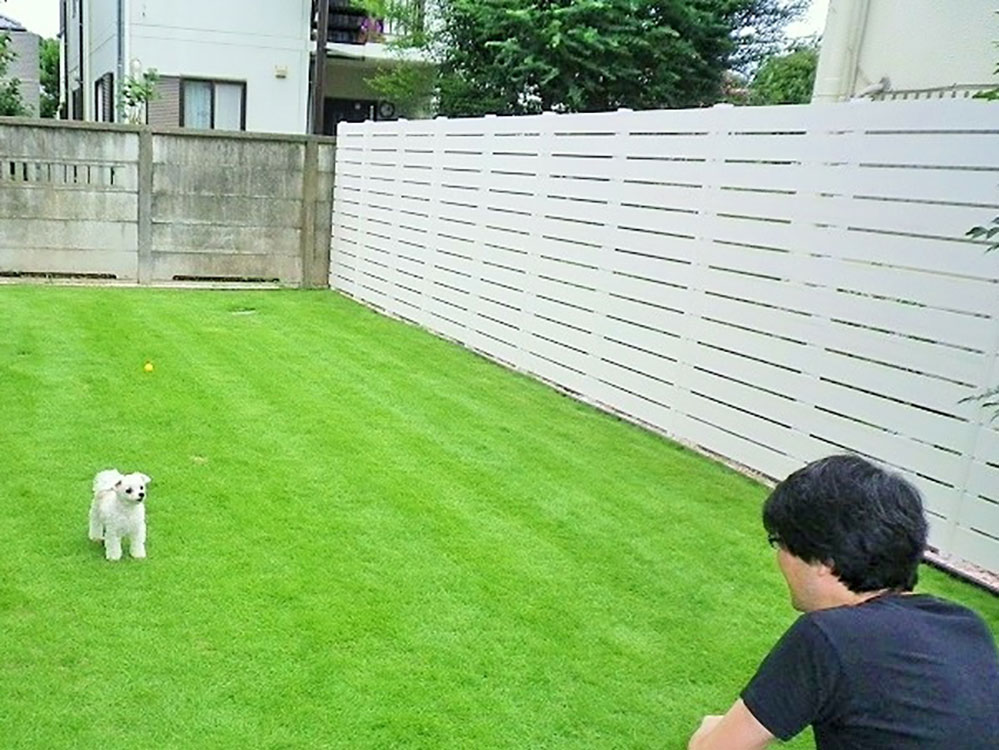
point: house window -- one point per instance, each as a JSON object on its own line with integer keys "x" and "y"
{"x": 212, "y": 105}
{"x": 76, "y": 103}
{"x": 104, "y": 98}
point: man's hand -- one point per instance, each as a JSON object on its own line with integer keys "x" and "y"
{"x": 736, "y": 730}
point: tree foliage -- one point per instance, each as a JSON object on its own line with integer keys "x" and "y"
{"x": 758, "y": 27}
{"x": 48, "y": 60}
{"x": 11, "y": 103}
{"x": 410, "y": 87}
{"x": 785, "y": 79}
{"x": 528, "y": 56}
{"x": 987, "y": 233}
{"x": 136, "y": 92}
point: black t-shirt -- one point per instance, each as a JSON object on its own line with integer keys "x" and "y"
{"x": 894, "y": 672}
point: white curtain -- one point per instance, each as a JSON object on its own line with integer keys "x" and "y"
{"x": 228, "y": 106}
{"x": 198, "y": 104}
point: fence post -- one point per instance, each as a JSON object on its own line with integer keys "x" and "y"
{"x": 597, "y": 371}
{"x": 535, "y": 228}
{"x": 311, "y": 270}
{"x": 474, "y": 339}
{"x": 144, "y": 270}
{"x": 684, "y": 406}
{"x": 324, "y": 215}
{"x": 426, "y": 287}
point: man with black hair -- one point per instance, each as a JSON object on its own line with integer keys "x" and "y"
{"x": 869, "y": 664}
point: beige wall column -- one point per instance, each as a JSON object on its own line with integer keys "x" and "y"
{"x": 145, "y": 207}
{"x": 841, "y": 39}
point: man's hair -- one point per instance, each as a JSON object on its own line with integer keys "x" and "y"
{"x": 866, "y": 523}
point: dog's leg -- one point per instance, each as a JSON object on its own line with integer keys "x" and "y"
{"x": 137, "y": 544}
{"x": 96, "y": 527}
{"x": 112, "y": 546}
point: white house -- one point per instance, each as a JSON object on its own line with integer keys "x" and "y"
{"x": 24, "y": 67}
{"x": 224, "y": 64}
{"x": 890, "y": 49}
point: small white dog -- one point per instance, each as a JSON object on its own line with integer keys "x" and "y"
{"x": 118, "y": 511}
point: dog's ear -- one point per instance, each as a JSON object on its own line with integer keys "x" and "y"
{"x": 145, "y": 479}
{"x": 107, "y": 480}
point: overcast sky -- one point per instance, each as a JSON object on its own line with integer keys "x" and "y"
{"x": 39, "y": 16}
{"x": 42, "y": 16}
{"x": 813, "y": 22}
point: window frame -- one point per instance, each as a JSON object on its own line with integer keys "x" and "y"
{"x": 214, "y": 82}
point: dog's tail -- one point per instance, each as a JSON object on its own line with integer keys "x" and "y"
{"x": 107, "y": 479}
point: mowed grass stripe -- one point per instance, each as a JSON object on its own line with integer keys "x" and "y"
{"x": 360, "y": 536}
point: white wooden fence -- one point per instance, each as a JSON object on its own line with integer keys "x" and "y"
{"x": 772, "y": 284}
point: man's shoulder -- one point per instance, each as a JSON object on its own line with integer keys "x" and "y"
{"x": 895, "y": 614}
{"x": 889, "y": 606}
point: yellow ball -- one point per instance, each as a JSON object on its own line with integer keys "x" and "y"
{"x": 148, "y": 367}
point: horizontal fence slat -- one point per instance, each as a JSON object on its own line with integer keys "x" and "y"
{"x": 977, "y": 548}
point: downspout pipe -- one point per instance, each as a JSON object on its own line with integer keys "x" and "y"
{"x": 86, "y": 99}
{"x": 64, "y": 104}
{"x": 836, "y": 76}
{"x": 120, "y": 73}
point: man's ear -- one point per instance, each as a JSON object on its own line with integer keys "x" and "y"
{"x": 825, "y": 568}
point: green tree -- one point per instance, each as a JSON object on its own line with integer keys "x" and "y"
{"x": 11, "y": 103}
{"x": 48, "y": 60}
{"x": 785, "y": 79}
{"x": 527, "y": 56}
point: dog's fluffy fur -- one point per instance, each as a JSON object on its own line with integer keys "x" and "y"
{"x": 118, "y": 511}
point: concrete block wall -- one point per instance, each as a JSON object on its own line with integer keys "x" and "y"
{"x": 154, "y": 206}
{"x": 68, "y": 201}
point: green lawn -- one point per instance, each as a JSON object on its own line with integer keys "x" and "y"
{"x": 359, "y": 536}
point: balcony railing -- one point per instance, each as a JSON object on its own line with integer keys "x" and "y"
{"x": 349, "y": 24}
{"x": 957, "y": 91}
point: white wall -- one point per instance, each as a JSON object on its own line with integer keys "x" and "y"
{"x": 916, "y": 44}
{"x": 103, "y": 50}
{"x": 773, "y": 284}
{"x": 71, "y": 49}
